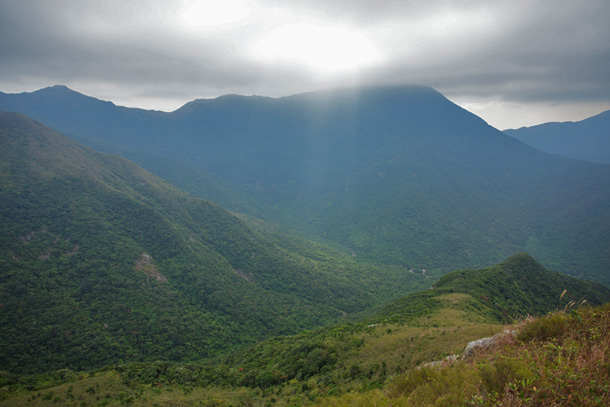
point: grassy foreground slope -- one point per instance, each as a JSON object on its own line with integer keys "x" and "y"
{"x": 102, "y": 262}
{"x": 560, "y": 359}
{"x": 372, "y": 362}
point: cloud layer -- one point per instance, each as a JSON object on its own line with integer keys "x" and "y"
{"x": 161, "y": 54}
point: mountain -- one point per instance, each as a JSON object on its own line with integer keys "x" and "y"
{"x": 395, "y": 175}
{"x": 588, "y": 139}
{"x": 122, "y": 131}
{"x": 101, "y": 261}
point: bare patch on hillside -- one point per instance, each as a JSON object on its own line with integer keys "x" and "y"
{"x": 74, "y": 250}
{"x": 248, "y": 277}
{"x": 14, "y": 256}
{"x": 46, "y": 255}
{"x": 29, "y": 236}
{"x": 145, "y": 264}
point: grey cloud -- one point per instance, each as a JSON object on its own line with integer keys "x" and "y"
{"x": 38, "y": 41}
{"x": 520, "y": 51}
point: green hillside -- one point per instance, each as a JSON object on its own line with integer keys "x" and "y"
{"x": 501, "y": 293}
{"x": 102, "y": 262}
{"x": 560, "y": 359}
{"x": 378, "y": 360}
{"x": 417, "y": 328}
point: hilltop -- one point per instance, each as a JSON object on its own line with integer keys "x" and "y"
{"x": 501, "y": 293}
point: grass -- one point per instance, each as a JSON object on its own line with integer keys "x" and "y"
{"x": 107, "y": 388}
{"x": 562, "y": 359}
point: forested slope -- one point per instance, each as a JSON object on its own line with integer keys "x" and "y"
{"x": 101, "y": 261}
{"x": 386, "y": 358}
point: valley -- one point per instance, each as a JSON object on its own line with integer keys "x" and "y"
{"x": 261, "y": 203}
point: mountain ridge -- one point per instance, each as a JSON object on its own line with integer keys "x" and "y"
{"x": 394, "y": 175}
{"x": 501, "y": 293}
{"x": 587, "y": 139}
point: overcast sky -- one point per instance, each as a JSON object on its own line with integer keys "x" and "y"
{"x": 513, "y": 62}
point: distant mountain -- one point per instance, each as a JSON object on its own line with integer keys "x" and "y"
{"x": 397, "y": 175}
{"x": 101, "y": 261}
{"x": 588, "y": 139}
{"x": 123, "y": 131}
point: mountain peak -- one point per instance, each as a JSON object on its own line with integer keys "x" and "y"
{"x": 63, "y": 94}
{"x": 520, "y": 259}
{"x": 57, "y": 90}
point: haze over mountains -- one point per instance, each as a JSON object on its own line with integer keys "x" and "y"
{"x": 395, "y": 175}
{"x": 587, "y": 139}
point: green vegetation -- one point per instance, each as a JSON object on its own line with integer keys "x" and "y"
{"x": 518, "y": 286}
{"x": 558, "y": 358}
{"x": 102, "y": 262}
{"x": 118, "y": 289}
{"x": 379, "y": 359}
{"x": 293, "y": 370}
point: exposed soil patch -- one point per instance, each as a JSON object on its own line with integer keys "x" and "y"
{"x": 248, "y": 277}
{"x": 145, "y": 264}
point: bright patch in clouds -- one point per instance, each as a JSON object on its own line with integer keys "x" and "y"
{"x": 323, "y": 49}
{"x": 211, "y": 13}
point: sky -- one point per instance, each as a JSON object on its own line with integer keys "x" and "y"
{"x": 514, "y": 63}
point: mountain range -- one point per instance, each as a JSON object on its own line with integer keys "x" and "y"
{"x": 587, "y": 139}
{"x": 166, "y": 298}
{"x": 394, "y": 175}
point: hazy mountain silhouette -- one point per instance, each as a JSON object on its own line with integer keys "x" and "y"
{"x": 588, "y": 139}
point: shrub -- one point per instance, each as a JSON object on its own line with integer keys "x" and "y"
{"x": 542, "y": 329}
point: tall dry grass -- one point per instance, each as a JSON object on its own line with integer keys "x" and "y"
{"x": 562, "y": 359}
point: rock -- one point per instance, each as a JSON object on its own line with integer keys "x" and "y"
{"x": 440, "y": 363}
{"x": 485, "y": 343}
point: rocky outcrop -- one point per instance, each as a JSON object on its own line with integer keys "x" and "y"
{"x": 441, "y": 363}
{"x": 470, "y": 350}
{"x": 483, "y": 343}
